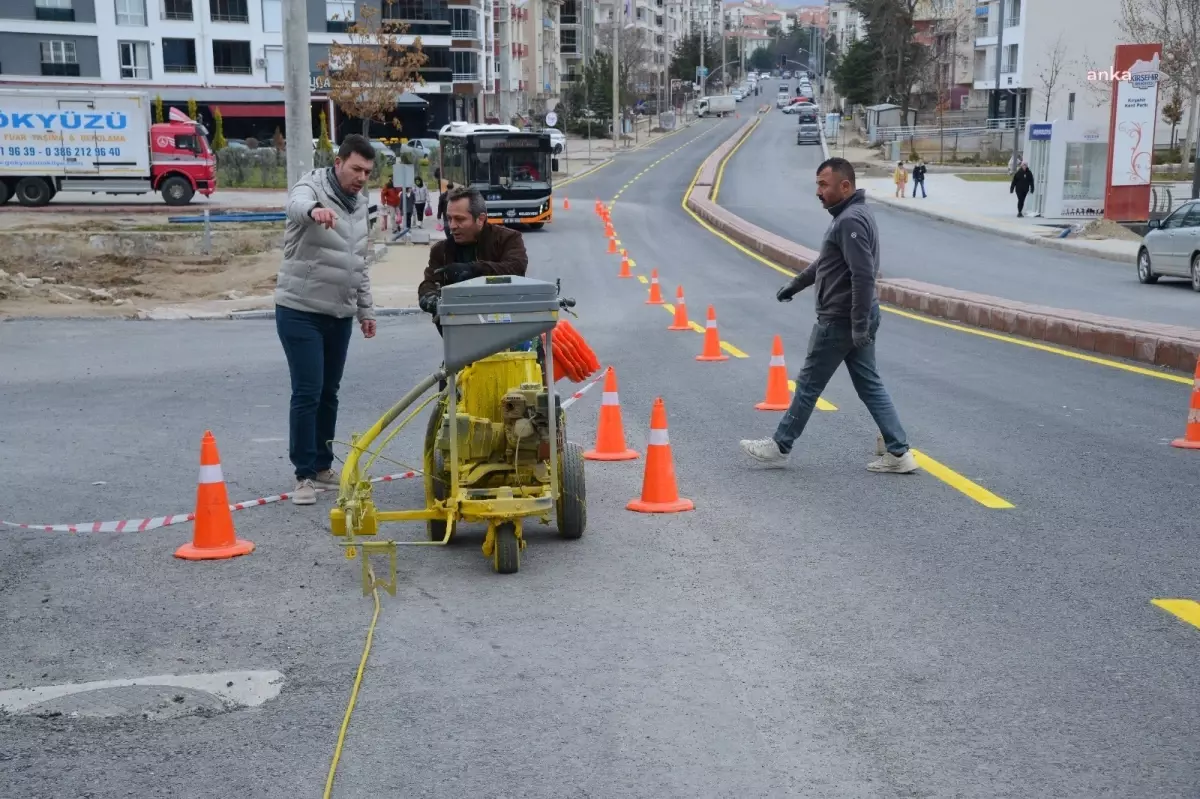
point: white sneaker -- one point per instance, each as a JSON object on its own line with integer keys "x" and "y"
{"x": 765, "y": 450}
{"x": 890, "y": 464}
{"x": 305, "y": 493}
{"x": 328, "y": 479}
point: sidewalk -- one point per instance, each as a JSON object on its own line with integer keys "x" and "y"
{"x": 986, "y": 205}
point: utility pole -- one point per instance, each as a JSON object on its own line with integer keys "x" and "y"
{"x": 618, "y": 13}
{"x": 506, "y": 62}
{"x": 703, "y": 47}
{"x": 296, "y": 93}
{"x": 994, "y": 105}
{"x": 724, "y": 59}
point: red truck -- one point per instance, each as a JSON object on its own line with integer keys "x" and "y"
{"x": 101, "y": 142}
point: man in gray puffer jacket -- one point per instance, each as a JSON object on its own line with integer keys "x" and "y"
{"x": 322, "y": 286}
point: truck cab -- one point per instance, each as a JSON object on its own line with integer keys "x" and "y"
{"x": 182, "y": 163}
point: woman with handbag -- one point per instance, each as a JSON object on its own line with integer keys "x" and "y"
{"x": 420, "y": 199}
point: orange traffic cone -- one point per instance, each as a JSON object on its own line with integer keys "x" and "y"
{"x": 656, "y": 297}
{"x": 625, "y": 268}
{"x": 214, "y": 537}
{"x": 778, "y": 398}
{"x": 1191, "y": 435}
{"x": 566, "y": 204}
{"x": 681, "y": 320}
{"x": 659, "y": 492}
{"x": 610, "y": 432}
{"x": 612, "y": 246}
{"x": 712, "y": 340}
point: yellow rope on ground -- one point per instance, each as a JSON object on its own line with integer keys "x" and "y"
{"x": 362, "y": 667}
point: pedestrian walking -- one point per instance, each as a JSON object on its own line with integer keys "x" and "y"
{"x": 420, "y": 200}
{"x": 847, "y": 320}
{"x": 443, "y": 199}
{"x": 900, "y": 178}
{"x": 408, "y": 207}
{"x": 918, "y": 176}
{"x": 1022, "y": 185}
{"x": 323, "y": 284}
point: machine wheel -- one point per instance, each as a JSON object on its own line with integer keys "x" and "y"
{"x": 572, "y": 501}
{"x": 435, "y": 469}
{"x": 176, "y": 191}
{"x": 507, "y": 557}
{"x": 1196, "y": 272}
{"x": 537, "y": 225}
{"x": 32, "y": 192}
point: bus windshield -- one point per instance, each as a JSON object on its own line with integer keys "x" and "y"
{"x": 508, "y": 163}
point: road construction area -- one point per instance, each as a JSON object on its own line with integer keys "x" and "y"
{"x": 1017, "y": 619}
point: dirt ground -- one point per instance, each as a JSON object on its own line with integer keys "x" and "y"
{"x": 1105, "y": 229}
{"x": 112, "y": 266}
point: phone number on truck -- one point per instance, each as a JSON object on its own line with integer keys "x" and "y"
{"x": 65, "y": 152}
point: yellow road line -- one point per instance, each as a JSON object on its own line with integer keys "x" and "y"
{"x": 960, "y": 483}
{"x": 725, "y": 345}
{"x": 642, "y": 278}
{"x": 822, "y": 403}
{"x": 716, "y": 192}
{"x": 656, "y": 163}
{"x": 1185, "y": 609}
{"x": 1033, "y": 345}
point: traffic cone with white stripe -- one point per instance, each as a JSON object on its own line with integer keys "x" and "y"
{"x": 660, "y": 494}
{"x": 214, "y": 537}
{"x": 625, "y": 271}
{"x": 655, "y": 297}
{"x": 778, "y": 398}
{"x": 681, "y": 319}
{"x": 610, "y": 431}
{"x": 612, "y": 244}
{"x": 1191, "y": 435}
{"x": 712, "y": 340}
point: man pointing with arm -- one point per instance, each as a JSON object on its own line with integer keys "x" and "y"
{"x": 847, "y": 321}
{"x": 322, "y": 286}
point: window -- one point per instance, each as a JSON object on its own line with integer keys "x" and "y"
{"x": 59, "y": 59}
{"x": 54, "y": 10}
{"x": 179, "y": 55}
{"x": 228, "y": 11}
{"x": 569, "y": 41}
{"x": 272, "y": 12}
{"x": 339, "y": 15}
{"x": 178, "y": 10}
{"x": 131, "y": 12}
{"x": 231, "y": 58}
{"x": 463, "y": 23}
{"x": 135, "y": 60}
{"x": 1071, "y": 106}
{"x": 1010, "y": 58}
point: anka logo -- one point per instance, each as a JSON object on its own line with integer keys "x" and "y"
{"x": 1142, "y": 75}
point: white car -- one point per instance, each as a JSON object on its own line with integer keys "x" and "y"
{"x": 1171, "y": 247}
{"x": 783, "y": 100}
{"x": 558, "y": 140}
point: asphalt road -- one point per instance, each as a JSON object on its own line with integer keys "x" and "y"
{"x": 814, "y": 632}
{"x": 770, "y": 181}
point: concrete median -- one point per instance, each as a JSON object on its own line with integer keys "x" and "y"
{"x": 1162, "y": 345}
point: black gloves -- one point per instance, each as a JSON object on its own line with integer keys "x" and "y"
{"x": 429, "y": 303}
{"x": 786, "y": 293}
{"x": 457, "y": 273}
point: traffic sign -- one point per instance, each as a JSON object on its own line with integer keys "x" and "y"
{"x": 551, "y": 119}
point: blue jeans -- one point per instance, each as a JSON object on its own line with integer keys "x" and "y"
{"x": 830, "y": 344}
{"x": 315, "y": 345}
{"x": 920, "y": 183}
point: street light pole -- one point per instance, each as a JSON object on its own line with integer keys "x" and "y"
{"x": 297, "y": 96}
{"x": 618, "y": 9}
{"x": 724, "y": 60}
{"x": 995, "y": 102}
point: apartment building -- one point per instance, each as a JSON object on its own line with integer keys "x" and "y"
{"x": 702, "y": 16}
{"x": 528, "y": 66}
{"x": 946, "y": 27}
{"x": 1079, "y": 34}
{"x": 845, "y": 25}
{"x": 656, "y": 26}
{"x": 576, "y": 37}
{"x": 228, "y": 54}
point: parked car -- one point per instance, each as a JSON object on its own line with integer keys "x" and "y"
{"x": 1171, "y": 248}
{"x": 419, "y": 148}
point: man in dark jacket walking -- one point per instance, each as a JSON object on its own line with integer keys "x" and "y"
{"x": 847, "y": 319}
{"x": 1022, "y": 185}
{"x": 918, "y": 175}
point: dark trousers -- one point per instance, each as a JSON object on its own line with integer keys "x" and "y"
{"x": 830, "y": 345}
{"x": 315, "y": 345}
{"x": 919, "y": 182}
{"x": 420, "y": 209}
{"x": 1020, "y": 202}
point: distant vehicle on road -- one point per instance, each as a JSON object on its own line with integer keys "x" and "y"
{"x": 101, "y": 142}
{"x": 1171, "y": 248}
{"x": 716, "y": 105}
{"x": 809, "y": 130}
{"x": 513, "y": 169}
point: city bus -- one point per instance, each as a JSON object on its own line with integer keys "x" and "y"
{"x": 511, "y": 168}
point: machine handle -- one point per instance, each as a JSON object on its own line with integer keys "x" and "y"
{"x": 567, "y": 302}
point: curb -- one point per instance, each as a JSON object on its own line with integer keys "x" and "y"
{"x": 1064, "y": 245}
{"x": 1161, "y": 345}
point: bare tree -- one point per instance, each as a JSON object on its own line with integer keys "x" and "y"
{"x": 636, "y": 65}
{"x": 943, "y": 56}
{"x": 891, "y": 25}
{"x": 372, "y": 68}
{"x": 1050, "y": 76}
{"x": 1176, "y": 25}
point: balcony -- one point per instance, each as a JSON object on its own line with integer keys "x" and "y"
{"x": 465, "y": 77}
{"x": 1013, "y": 20}
{"x": 982, "y": 29}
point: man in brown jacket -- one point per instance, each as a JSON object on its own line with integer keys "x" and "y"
{"x": 475, "y": 248}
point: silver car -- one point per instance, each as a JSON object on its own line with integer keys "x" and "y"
{"x": 1171, "y": 248}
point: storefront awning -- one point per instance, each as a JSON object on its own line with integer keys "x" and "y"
{"x": 250, "y": 110}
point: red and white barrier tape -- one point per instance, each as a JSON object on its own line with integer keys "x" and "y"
{"x": 142, "y": 525}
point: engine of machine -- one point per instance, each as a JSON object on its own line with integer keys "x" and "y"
{"x": 526, "y": 419}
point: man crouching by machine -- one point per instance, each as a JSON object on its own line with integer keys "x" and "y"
{"x": 474, "y": 248}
